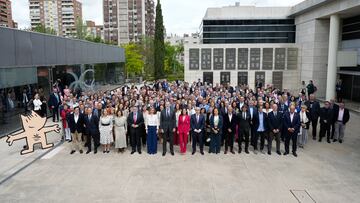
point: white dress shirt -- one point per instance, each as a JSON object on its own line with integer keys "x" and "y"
{"x": 37, "y": 104}
{"x": 152, "y": 120}
{"x": 341, "y": 115}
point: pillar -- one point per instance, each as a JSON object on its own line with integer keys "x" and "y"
{"x": 332, "y": 56}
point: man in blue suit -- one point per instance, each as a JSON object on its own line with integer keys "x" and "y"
{"x": 292, "y": 127}
{"x": 197, "y": 125}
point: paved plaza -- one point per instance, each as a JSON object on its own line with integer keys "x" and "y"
{"x": 322, "y": 173}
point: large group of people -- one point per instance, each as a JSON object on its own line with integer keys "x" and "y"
{"x": 203, "y": 115}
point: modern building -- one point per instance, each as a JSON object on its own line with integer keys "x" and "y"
{"x": 59, "y": 15}
{"x": 6, "y": 19}
{"x": 315, "y": 40}
{"x": 128, "y": 20}
{"x": 32, "y": 61}
{"x": 95, "y": 30}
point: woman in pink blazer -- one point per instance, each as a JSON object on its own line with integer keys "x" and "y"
{"x": 183, "y": 130}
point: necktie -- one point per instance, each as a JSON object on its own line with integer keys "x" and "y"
{"x": 134, "y": 118}
{"x": 244, "y": 116}
{"x": 168, "y": 113}
{"x": 89, "y": 117}
{"x": 197, "y": 118}
{"x": 275, "y": 114}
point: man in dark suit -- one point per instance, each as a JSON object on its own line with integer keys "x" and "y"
{"x": 283, "y": 108}
{"x": 135, "y": 120}
{"x": 314, "y": 108}
{"x": 335, "y": 108}
{"x": 342, "y": 116}
{"x": 76, "y": 125}
{"x": 261, "y": 126}
{"x": 326, "y": 119}
{"x": 292, "y": 127}
{"x": 244, "y": 128}
{"x": 252, "y": 112}
{"x": 197, "y": 125}
{"x": 92, "y": 130}
{"x": 275, "y": 127}
{"x": 230, "y": 122}
{"x": 168, "y": 127}
{"x": 54, "y": 103}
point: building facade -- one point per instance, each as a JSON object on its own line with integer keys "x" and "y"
{"x": 59, "y": 15}
{"x": 95, "y": 30}
{"x": 315, "y": 40}
{"x": 33, "y": 62}
{"x": 128, "y": 20}
{"x": 6, "y": 19}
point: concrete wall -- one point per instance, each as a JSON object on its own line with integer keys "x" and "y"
{"x": 291, "y": 78}
{"x": 24, "y": 49}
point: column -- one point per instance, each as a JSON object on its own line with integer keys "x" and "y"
{"x": 332, "y": 56}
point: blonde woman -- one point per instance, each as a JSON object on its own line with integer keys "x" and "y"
{"x": 106, "y": 133}
{"x": 305, "y": 122}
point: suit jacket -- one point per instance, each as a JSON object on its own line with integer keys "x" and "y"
{"x": 92, "y": 125}
{"x": 294, "y": 124}
{"x": 314, "y": 109}
{"x": 275, "y": 122}
{"x": 346, "y": 116}
{"x": 230, "y": 124}
{"x": 184, "y": 125}
{"x": 197, "y": 125}
{"x": 167, "y": 122}
{"x": 256, "y": 121}
{"x": 283, "y": 108}
{"x": 220, "y": 124}
{"x": 53, "y": 101}
{"x": 326, "y": 115}
{"x": 139, "y": 120}
{"x": 79, "y": 126}
{"x": 244, "y": 123}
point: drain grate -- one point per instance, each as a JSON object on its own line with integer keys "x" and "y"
{"x": 302, "y": 196}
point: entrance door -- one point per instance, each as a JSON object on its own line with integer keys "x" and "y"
{"x": 208, "y": 77}
{"x": 277, "y": 80}
{"x": 225, "y": 77}
{"x": 259, "y": 79}
{"x": 242, "y": 78}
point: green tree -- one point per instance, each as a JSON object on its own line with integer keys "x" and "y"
{"x": 134, "y": 60}
{"x": 159, "y": 46}
{"x": 42, "y": 29}
{"x": 147, "y": 51}
{"x": 81, "y": 29}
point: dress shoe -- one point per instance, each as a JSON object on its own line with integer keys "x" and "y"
{"x": 269, "y": 153}
{"x": 340, "y": 141}
{"x": 108, "y": 151}
{"x": 335, "y": 140}
{"x": 163, "y": 153}
{"x": 286, "y": 153}
{"x": 240, "y": 151}
{"x": 104, "y": 152}
{"x": 202, "y": 153}
{"x": 320, "y": 140}
{"x": 294, "y": 153}
{"x": 246, "y": 151}
{"x": 139, "y": 152}
{"x": 132, "y": 152}
{"x": 172, "y": 153}
{"x": 95, "y": 151}
{"x": 192, "y": 153}
{"x": 278, "y": 152}
{"x": 328, "y": 141}
{"x": 88, "y": 151}
{"x": 314, "y": 138}
{"x": 81, "y": 151}
{"x": 225, "y": 152}
{"x": 232, "y": 152}
{"x": 72, "y": 152}
{"x": 255, "y": 152}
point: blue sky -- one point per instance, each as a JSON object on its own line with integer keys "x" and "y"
{"x": 180, "y": 16}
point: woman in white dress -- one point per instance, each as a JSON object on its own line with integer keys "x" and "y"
{"x": 120, "y": 129}
{"x": 106, "y": 130}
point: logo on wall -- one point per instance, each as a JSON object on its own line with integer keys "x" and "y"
{"x": 34, "y": 131}
{"x": 80, "y": 81}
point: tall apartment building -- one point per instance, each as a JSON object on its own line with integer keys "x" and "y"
{"x": 127, "y": 20}
{"x": 6, "y": 15}
{"x": 59, "y": 15}
{"x": 95, "y": 30}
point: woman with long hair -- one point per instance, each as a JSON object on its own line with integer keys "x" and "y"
{"x": 183, "y": 130}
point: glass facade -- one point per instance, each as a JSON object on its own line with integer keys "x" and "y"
{"x": 17, "y": 82}
{"x": 249, "y": 31}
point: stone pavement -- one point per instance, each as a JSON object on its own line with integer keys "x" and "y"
{"x": 326, "y": 172}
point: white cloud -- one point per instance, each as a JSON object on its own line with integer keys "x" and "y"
{"x": 180, "y": 16}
